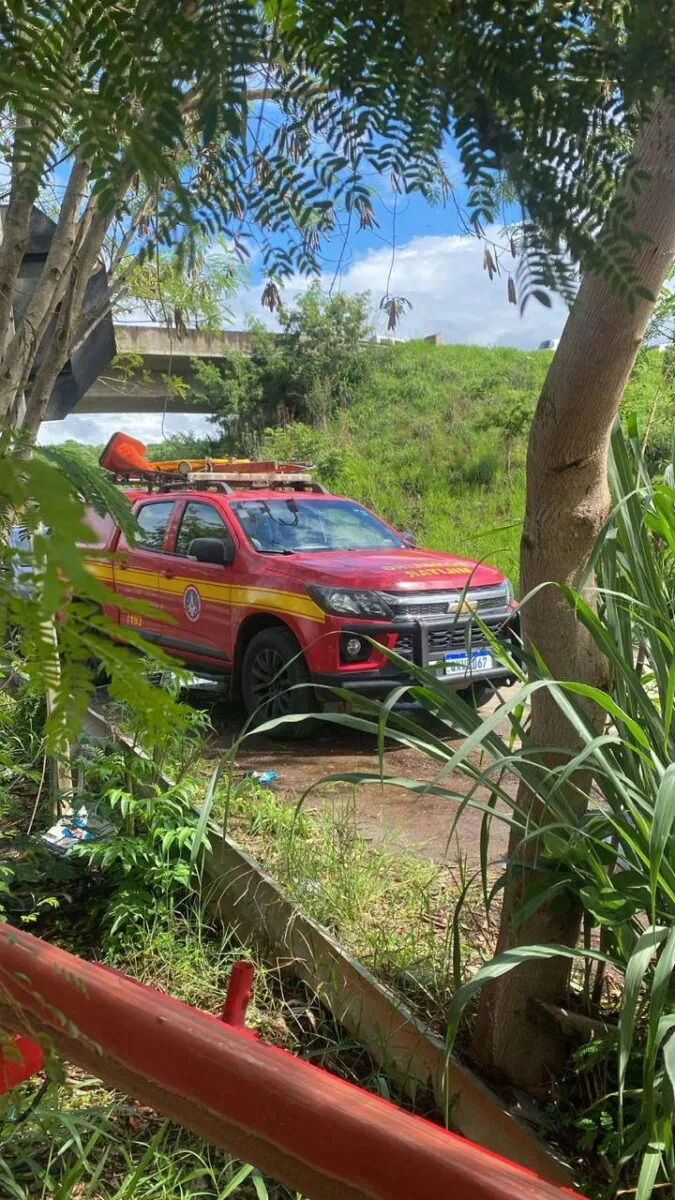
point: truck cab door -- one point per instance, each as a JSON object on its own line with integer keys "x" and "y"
{"x": 197, "y": 594}
{"x": 136, "y": 568}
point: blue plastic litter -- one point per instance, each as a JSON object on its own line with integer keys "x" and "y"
{"x": 74, "y": 828}
{"x": 262, "y": 776}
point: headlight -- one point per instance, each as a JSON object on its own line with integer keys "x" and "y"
{"x": 347, "y": 602}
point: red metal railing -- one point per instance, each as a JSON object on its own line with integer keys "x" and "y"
{"x": 308, "y": 1129}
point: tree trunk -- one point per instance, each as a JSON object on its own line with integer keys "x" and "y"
{"x": 567, "y": 504}
{"x": 61, "y": 772}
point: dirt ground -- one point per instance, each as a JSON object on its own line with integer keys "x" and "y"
{"x": 385, "y": 813}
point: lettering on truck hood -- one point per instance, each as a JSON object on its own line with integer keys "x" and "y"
{"x": 390, "y": 571}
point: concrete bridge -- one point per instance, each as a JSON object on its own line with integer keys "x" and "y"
{"x": 155, "y": 371}
{"x": 152, "y": 356}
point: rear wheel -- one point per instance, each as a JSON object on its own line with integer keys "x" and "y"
{"x": 272, "y": 678}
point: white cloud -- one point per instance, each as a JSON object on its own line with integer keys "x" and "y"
{"x": 94, "y": 430}
{"x": 442, "y": 277}
{"x": 450, "y": 293}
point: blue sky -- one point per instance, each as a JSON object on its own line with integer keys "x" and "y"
{"x": 425, "y": 254}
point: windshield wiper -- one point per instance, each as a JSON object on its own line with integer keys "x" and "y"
{"x": 276, "y": 550}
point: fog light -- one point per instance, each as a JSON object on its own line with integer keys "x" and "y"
{"x": 353, "y": 647}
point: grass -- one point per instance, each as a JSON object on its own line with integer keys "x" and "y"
{"x": 417, "y": 445}
{"x": 392, "y": 911}
{"x": 84, "y": 1141}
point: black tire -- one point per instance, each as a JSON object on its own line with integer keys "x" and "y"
{"x": 477, "y": 694}
{"x": 273, "y": 664}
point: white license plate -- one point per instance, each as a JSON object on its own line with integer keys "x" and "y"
{"x": 458, "y": 662}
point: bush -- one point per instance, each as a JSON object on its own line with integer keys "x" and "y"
{"x": 482, "y": 471}
{"x": 309, "y": 372}
{"x": 301, "y": 443}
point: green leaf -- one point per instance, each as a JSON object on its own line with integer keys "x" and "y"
{"x": 234, "y": 1183}
{"x": 607, "y": 905}
{"x": 202, "y": 824}
{"x": 501, "y": 965}
{"x": 669, "y": 1063}
{"x": 662, "y": 827}
{"x": 260, "y": 1186}
{"x": 638, "y": 963}
{"x": 649, "y": 1169}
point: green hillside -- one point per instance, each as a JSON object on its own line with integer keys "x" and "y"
{"x": 419, "y": 445}
{"x": 431, "y": 437}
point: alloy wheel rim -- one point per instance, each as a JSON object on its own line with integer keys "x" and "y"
{"x": 270, "y": 682}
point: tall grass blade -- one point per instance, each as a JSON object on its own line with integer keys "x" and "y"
{"x": 200, "y": 838}
{"x": 649, "y": 1169}
{"x": 662, "y": 827}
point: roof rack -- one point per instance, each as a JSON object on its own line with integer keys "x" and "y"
{"x": 124, "y": 457}
{"x": 219, "y": 481}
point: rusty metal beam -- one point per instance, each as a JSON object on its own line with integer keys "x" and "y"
{"x": 308, "y": 1129}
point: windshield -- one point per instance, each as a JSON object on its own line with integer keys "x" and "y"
{"x": 285, "y": 525}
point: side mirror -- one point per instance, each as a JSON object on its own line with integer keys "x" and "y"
{"x": 211, "y": 550}
{"x": 409, "y": 538}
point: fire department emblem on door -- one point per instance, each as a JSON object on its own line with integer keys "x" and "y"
{"x": 192, "y": 603}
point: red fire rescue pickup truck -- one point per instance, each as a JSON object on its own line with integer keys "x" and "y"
{"x": 258, "y": 573}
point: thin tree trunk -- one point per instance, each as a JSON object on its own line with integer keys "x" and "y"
{"x": 84, "y": 259}
{"x": 16, "y": 221}
{"x": 19, "y": 354}
{"x": 567, "y": 503}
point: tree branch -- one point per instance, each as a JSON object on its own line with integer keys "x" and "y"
{"x": 15, "y": 361}
{"x": 25, "y": 180}
{"x": 128, "y": 237}
{"x": 57, "y": 353}
{"x": 15, "y": 238}
{"x": 101, "y": 311}
{"x": 91, "y": 233}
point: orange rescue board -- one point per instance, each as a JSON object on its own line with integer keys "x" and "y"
{"x": 125, "y": 455}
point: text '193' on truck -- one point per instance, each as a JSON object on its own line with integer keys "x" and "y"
{"x": 254, "y": 571}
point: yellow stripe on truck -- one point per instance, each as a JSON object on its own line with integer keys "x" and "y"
{"x": 232, "y": 595}
{"x": 235, "y": 595}
{"x": 101, "y": 570}
{"x": 291, "y": 602}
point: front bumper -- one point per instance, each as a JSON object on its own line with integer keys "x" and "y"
{"x": 425, "y": 642}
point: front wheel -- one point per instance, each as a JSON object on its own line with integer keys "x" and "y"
{"x": 272, "y": 678}
{"x": 477, "y": 694}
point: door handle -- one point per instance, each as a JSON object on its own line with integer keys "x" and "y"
{"x": 123, "y": 566}
{"x": 168, "y": 574}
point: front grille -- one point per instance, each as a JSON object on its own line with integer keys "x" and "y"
{"x": 421, "y": 610}
{"x": 423, "y": 604}
{"x": 439, "y": 641}
{"x": 404, "y": 644}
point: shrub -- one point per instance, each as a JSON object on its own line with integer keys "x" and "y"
{"x": 482, "y": 470}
